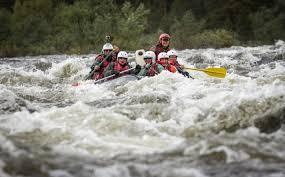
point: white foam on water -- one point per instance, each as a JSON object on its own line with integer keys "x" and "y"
{"x": 83, "y": 129}
{"x": 2, "y": 173}
{"x": 9, "y": 147}
{"x": 59, "y": 173}
{"x": 69, "y": 68}
{"x": 102, "y": 131}
{"x": 87, "y": 91}
{"x": 113, "y": 171}
{"x": 186, "y": 172}
{"x": 157, "y": 114}
{"x": 242, "y": 145}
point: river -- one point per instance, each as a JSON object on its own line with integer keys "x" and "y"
{"x": 164, "y": 126}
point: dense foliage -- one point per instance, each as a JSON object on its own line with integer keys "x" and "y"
{"x": 32, "y": 27}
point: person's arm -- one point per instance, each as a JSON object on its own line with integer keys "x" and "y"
{"x": 131, "y": 71}
{"x": 136, "y": 70}
{"x": 109, "y": 70}
{"x": 98, "y": 62}
{"x": 94, "y": 67}
{"x": 114, "y": 56}
{"x": 143, "y": 72}
{"x": 160, "y": 67}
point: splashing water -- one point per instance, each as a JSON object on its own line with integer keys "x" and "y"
{"x": 167, "y": 125}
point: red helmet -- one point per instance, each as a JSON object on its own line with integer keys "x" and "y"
{"x": 164, "y": 35}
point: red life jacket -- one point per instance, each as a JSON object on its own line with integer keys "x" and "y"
{"x": 158, "y": 48}
{"x": 174, "y": 63}
{"x": 171, "y": 68}
{"x": 168, "y": 67}
{"x": 120, "y": 68}
{"x": 115, "y": 66}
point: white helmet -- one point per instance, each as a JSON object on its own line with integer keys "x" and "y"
{"x": 107, "y": 46}
{"x": 150, "y": 54}
{"x": 162, "y": 55}
{"x": 122, "y": 54}
{"x": 172, "y": 53}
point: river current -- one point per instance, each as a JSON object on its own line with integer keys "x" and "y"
{"x": 163, "y": 126}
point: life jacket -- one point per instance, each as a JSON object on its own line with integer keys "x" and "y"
{"x": 115, "y": 66}
{"x": 158, "y": 48}
{"x": 105, "y": 63}
{"x": 176, "y": 65}
{"x": 120, "y": 68}
{"x": 171, "y": 68}
{"x": 168, "y": 67}
{"x": 153, "y": 70}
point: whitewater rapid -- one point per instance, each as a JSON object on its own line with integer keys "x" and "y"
{"x": 165, "y": 126}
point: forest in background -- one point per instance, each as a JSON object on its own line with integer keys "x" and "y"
{"x": 36, "y": 27}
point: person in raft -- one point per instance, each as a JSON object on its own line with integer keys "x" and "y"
{"x": 172, "y": 54}
{"x": 102, "y": 61}
{"x": 163, "y": 60}
{"x": 150, "y": 68}
{"x": 162, "y": 45}
{"x": 115, "y": 68}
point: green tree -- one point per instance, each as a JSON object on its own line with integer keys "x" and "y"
{"x": 30, "y": 23}
{"x": 81, "y": 26}
{"x": 5, "y": 33}
{"x": 214, "y": 38}
{"x": 268, "y": 27}
{"x": 5, "y": 19}
{"x": 131, "y": 24}
{"x": 184, "y": 29}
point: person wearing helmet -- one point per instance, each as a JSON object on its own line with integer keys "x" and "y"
{"x": 163, "y": 60}
{"x": 102, "y": 61}
{"x": 118, "y": 66}
{"x": 151, "y": 68}
{"x": 172, "y": 54}
{"x": 162, "y": 45}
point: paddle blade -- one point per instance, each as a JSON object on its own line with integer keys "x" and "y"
{"x": 214, "y": 72}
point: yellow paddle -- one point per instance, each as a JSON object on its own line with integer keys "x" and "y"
{"x": 215, "y": 72}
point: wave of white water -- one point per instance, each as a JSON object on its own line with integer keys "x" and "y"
{"x": 222, "y": 120}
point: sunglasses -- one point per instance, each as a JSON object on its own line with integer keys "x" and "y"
{"x": 108, "y": 50}
{"x": 165, "y": 39}
{"x": 147, "y": 58}
{"x": 122, "y": 58}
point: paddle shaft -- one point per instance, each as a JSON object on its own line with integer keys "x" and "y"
{"x": 105, "y": 78}
{"x": 196, "y": 69}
